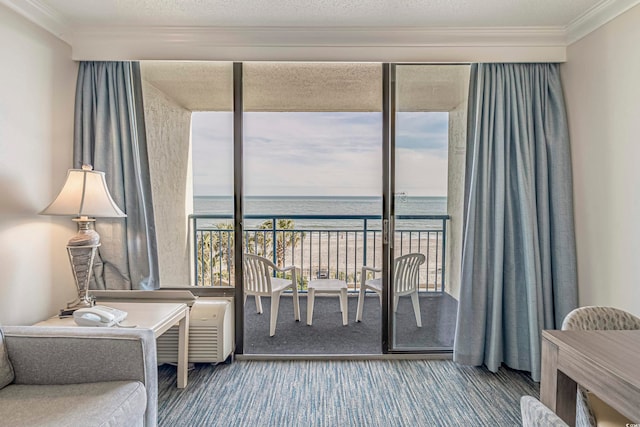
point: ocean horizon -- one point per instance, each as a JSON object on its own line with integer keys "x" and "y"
{"x": 325, "y": 205}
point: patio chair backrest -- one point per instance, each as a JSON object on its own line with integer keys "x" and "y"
{"x": 407, "y": 272}
{"x": 257, "y": 274}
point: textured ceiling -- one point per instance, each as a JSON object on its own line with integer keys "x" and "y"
{"x": 321, "y": 13}
{"x": 300, "y": 86}
{"x": 195, "y": 86}
{"x": 287, "y": 86}
{"x": 431, "y": 87}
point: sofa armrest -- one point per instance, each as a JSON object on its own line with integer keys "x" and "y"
{"x": 53, "y": 355}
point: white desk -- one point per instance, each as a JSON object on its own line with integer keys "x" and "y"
{"x": 158, "y": 317}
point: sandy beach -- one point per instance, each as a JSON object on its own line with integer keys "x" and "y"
{"x": 329, "y": 254}
{"x": 341, "y": 255}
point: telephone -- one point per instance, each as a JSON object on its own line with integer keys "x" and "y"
{"x": 99, "y": 315}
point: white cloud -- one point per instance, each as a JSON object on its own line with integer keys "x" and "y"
{"x": 314, "y": 154}
{"x": 420, "y": 173}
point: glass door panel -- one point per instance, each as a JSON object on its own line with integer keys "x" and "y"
{"x": 427, "y": 102}
{"x": 212, "y": 165}
{"x": 311, "y": 197}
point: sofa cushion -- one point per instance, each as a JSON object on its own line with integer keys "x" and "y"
{"x": 113, "y": 403}
{"x": 6, "y": 370}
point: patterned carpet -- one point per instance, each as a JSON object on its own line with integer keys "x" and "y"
{"x": 342, "y": 393}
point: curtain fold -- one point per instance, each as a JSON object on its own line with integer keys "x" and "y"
{"x": 518, "y": 272}
{"x": 109, "y": 134}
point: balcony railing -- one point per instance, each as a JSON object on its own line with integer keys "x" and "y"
{"x": 321, "y": 246}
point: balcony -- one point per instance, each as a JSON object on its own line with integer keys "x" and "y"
{"x": 330, "y": 247}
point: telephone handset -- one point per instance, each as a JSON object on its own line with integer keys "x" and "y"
{"x": 99, "y": 315}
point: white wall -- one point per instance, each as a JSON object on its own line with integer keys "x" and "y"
{"x": 37, "y": 84}
{"x": 602, "y": 85}
{"x": 169, "y": 140}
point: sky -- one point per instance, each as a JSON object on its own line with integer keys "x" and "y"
{"x": 319, "y": 154}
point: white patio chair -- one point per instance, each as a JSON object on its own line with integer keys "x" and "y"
{"x": 259, "y": 282}
{"x": 590, "y": 410}
{"x": 406, "y": 274}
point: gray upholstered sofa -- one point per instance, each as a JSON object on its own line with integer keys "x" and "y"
{"x": 77, "y": 377}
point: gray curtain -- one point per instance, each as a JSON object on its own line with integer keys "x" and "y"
{"x": 110, "y": 135}
{"x": 518, "y": 258}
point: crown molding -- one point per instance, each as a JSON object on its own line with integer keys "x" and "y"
{"x": 331, "y": 36}
{"x": 319, "y": 43}
{"x": 43, "y": 16}
{"x": 596, "y": 17}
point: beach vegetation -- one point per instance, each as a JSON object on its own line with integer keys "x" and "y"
{"x": 285, "y": 238}
{"x": 215, "y": 248}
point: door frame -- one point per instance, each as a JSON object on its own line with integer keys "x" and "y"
{"x": 238, "y": 208}
{"x": 388, "y": 170}
{"x": 388, "y": 206}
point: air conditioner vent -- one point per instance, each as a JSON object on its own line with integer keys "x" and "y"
{"x": 210, "y": 333}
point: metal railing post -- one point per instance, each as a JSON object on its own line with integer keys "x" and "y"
{"x": 444, "y": 251}
{"x": 195, "y": 248}
{"x": 364, "y": 243}
{"x": 273, "y": 243}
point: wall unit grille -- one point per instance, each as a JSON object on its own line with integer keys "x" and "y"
{"x": 211, "y": 333}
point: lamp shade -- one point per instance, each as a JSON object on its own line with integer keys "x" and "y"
{"x": 84, "y": 194}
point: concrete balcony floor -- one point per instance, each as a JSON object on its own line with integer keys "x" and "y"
{"x": 327, "y": 335}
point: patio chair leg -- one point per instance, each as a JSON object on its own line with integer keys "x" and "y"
{"x": 296, "y": 302}
{"x": 311, "y": 296}
{"x": 344, "y": 307}
{"x": 396, "y": 299}
{"x": 258, "y": 304}
{"x": 275, "y": 303}
{"x": 416, "y": 308}
{"x": 360, "y": 304}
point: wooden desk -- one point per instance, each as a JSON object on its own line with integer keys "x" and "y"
{"x": 605, "y": 362}
{"x": 158, "y": 317}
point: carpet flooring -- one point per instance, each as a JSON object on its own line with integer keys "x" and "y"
{"x": 327, "y": 335}
{"x": 342, "y": 393}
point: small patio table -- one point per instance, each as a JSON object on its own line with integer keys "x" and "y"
{"x": 327, "y": 287}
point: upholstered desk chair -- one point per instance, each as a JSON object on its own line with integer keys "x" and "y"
{"x": 535, "y": 414}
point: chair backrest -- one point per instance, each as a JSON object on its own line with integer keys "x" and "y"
{"x": 535, "y": 414}
{"x": 407, "y": 272}
{"x": 595, "y": 318}
{"x": 257, "y": 274}
{"x": 592, "y": 318}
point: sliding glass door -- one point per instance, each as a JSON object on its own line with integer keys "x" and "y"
{"x": 360, "y": 190}
{"x": 425, "y": 104}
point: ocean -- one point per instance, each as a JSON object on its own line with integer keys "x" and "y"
{"x": 325, "y": 205}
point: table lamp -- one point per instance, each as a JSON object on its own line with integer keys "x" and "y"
{"x": 84, "y": 196}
